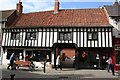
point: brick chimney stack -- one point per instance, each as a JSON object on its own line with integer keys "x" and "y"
{"x": 19, "y": 8}
{"x": 56, "y": 6}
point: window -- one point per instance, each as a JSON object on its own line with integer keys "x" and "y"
{"x": 117, "y": 49}
{"x": 30, "y": 35}
{"x": 65, "y": 36}
{"x": 16, "y": 51}
{"x": 117, "y": 57}
{"x": 92, "y": 36}
{"x": 15, "y": 35}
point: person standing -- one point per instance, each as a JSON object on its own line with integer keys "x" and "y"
{"x": 20, "y": 56}
{"x": 110, "y": 65}
{"x": 58, "y": 63}
{"x": 73, "y": 61}
{"x": 27, "y": 57}
{"x": 47, "y": 58}
{"x": 12, "y": 58}
{"x": 32, "y": 66}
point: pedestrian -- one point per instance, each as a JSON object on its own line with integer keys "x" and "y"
{"x": 20, "y": 56}
{"x": 12, "y": 58}
{"x": 73, "y": 61}
{"x": 63, "y": 56}
{"x": 32, "y": 66}
{"x": 58, "y": 63}
{"x": 27, "y": 57}
{"x": 110, "y": 65}
{"x": 47, "y": 58}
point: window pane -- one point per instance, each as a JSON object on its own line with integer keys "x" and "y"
{"x": 31, "y": 35}
{"x": 94, "y": 35}
{"x": 61, "y": 36}
{"x": 15, "y": 35}
{"x": 65, "y": 36}
{"x": 89, "y": 35}
{"x": 69, "y": 36}
{"x": 117, "y": 57}
{"x": 28, "y": 36}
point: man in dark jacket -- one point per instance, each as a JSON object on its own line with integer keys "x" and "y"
{"x": 12, "y": 58}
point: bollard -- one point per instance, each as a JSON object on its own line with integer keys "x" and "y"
{"x": 12, "y": 76}
{"x": 44, "y": 67}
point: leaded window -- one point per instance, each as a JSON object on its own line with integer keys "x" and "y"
{"x": 31, "y": 35}
{"x": 15, "y": 35}
{"x": 92, "y": 35}
{"x": 65, "y": 36}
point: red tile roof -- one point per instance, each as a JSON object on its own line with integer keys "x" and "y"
{"x": 65, "y": 18}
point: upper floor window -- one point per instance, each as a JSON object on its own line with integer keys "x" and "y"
{"x": 92, "y": 36}
{"x": 15, "y": 35}
{"x": 31, "y": 35}
{"x": 65, "y": 36}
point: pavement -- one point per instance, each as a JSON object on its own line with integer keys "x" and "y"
{"x": 52, "y": 74}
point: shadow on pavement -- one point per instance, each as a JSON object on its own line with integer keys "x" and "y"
{"x": 24, "y": 74}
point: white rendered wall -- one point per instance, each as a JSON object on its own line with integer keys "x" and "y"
{"x": 116, "y": 25}
{"x": 4, "y": 60}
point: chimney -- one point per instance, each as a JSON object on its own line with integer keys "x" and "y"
{"x": 19, "y": 8}
{"x": 56, "y": 7}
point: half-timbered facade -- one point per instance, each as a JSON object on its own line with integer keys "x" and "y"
{"x": 79, "y": 38}
{"x": 46, "y": 37}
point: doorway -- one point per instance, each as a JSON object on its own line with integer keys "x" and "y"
{"x": 67, "y": 51}
{"x": 68, "y": 57}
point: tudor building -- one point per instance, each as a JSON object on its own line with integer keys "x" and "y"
{"x": 81, "y": 33}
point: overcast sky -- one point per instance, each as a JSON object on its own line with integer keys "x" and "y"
{"x": 43, "y": 5}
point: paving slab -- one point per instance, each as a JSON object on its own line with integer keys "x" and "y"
{"x": 52, "y": 74}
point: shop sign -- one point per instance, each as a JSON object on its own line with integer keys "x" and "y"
{"x": 117, "y": 47}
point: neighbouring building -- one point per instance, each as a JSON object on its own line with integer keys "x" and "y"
{"x": 6, "y": 17}
{"x": 81, "y": 36}
{"x": 114, "y": 19}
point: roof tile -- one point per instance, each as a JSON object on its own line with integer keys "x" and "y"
{"x": 65, "y": 18}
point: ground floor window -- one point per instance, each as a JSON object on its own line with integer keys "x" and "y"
{"x": 92, "y": 58}
{"x": 18, "y": 54}
{"x": 39, "y": 55}
{"x": 43, "y": 55}
{"x": 89, "y": 59}
{"x": 117, "y": 57}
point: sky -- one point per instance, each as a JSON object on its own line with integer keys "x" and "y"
{"x": 44, "y": 5}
